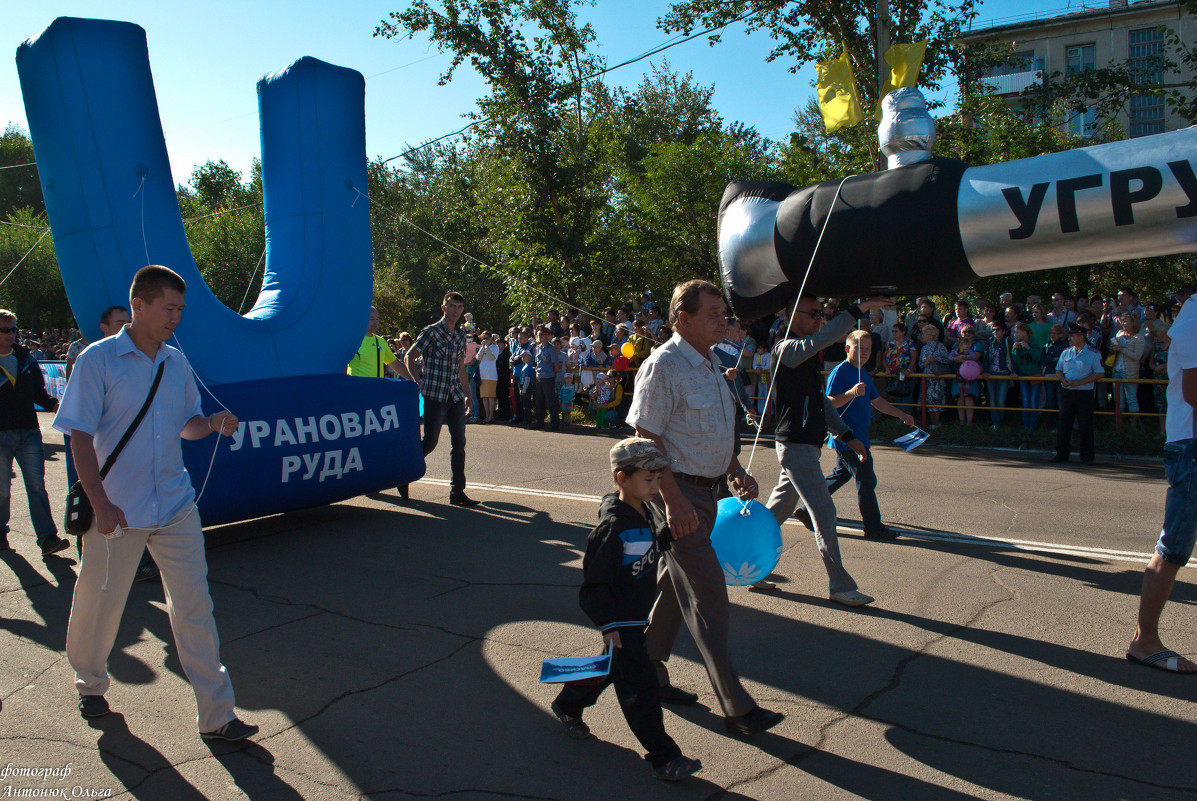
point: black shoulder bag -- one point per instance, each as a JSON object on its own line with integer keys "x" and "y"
{"x": 78, "y": 505}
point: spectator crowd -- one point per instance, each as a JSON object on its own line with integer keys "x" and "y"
{"x": 538, "y": 373}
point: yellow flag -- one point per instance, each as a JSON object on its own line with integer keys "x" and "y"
{"x": 838, "y": 99}
{"x": 904, "y": 61}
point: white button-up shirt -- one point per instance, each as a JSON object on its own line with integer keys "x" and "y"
{"x": 108, "y": 386}
{"x": 681, "y": 397}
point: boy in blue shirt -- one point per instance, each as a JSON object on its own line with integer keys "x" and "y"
{"x": 619, "y": 586}
{"x": 851, "y": 390}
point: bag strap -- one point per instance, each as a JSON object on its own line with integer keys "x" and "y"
{"x": 120, "y": 446}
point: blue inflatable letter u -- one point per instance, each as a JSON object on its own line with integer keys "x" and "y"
{"x": 309, "y": 435}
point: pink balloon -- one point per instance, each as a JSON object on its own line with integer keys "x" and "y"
{"x": 970, "y": 370}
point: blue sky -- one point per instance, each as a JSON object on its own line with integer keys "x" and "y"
{"x": 207, "y": 57}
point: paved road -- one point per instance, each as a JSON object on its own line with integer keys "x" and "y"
{"x": 392, "y": 652}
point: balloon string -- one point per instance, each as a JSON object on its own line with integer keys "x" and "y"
{"x": 144, "y": 241}
{"x": 250, "y": 285}
{"x": 790, "y": 321}
{"x": 18, "y": 264}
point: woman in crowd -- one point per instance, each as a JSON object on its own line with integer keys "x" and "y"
{"x": 901, "y": 358}
{"x": 1024, "y": 361}
{"x": 933, "y": 358}
{"x": 1040, "y": 327}
{"x": 997, "y": 363}
{"x": 966, "y": 350}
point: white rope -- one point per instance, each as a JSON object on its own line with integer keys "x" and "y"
{"x": 790, "y": 320}
{"x": 18, "y": 264}
{"x": 144, "y": 242}
{"x": 251, "y": 281}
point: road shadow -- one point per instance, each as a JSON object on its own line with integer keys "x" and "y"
{"x": 385, "y": 636}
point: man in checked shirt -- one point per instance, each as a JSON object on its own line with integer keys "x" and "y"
{"x": 443, "y": 383}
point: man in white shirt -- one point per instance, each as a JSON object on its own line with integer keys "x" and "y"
{"x": 682, "y": 404}
{"x": 145, "y": 500}
{"x": 1078, "y": 369}
{"x": 1179, "y": 532}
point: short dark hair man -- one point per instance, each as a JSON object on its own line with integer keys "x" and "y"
{"x": 147, "y": 498}
{"x": 445, "y": 387}
{"x": 805, "y": 417}
{"x": 374, "y": 358}
{"x": 21, "y": 386}
{"x": 1077, "y": 369}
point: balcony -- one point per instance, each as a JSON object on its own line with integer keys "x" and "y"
{"x": 1014, "y": 82}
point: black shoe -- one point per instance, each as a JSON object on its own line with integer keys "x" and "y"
{"x": 461, "y": 499}
{"x": 537, "y": 427}
{"x": 803, "y": 517}
{"x": 1059, "y": 458}
{"x": 1087, "y": 462}
{"x": 231, "y": 732}
{"x": 883, "y": 533}
{"x": 555, "y": 428}
{"x": 756, "y": 721}
{"x": 574, "y": 727}
{"x": 54, "y": 545}
{"x": 93, "y": 706}
{"x": 404, "y": 491}
{"x": 677, "y": 696}
{"x": 146, "y": 571}
{"x": 4, "y": 546}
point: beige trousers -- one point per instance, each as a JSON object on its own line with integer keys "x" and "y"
{"x": 178, "y": 550}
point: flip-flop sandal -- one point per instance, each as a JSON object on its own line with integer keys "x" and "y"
{"x": 1165, "y": 660}
{"x": 677, "y": 769}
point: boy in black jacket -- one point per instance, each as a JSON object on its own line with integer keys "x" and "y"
{"x": 619, "y": 586}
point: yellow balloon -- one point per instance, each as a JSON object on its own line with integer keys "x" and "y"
{"x": 628, "y": 350}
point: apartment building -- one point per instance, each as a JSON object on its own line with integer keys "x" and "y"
{"x": 1096, "y": 34}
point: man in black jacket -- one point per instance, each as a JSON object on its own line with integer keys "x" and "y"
{"x": 21, "y": 386}
{"x": 804, "y": 418}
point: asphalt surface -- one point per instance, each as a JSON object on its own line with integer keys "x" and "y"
{"x": 393, "y": 652}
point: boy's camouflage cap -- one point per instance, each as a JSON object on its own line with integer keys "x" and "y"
{"x": 637, "y": 452}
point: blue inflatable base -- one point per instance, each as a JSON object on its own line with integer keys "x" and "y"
{"x": 305, "y": 441}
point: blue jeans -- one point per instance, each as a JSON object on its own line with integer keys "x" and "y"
{"x": 1129, "y": 392}
{"x": 437, "y": 413}
{"x": 25, "y": 445}
{"x": 848, "y": 465}
{"x": 1032, "y": 399}
{"x": 1180, "y": 505}
{"x": 997, "y": 397}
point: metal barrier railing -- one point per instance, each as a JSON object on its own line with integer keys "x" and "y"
{"x": 1118, "y": 413}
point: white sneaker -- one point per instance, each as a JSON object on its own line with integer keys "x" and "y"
{"x": 852, "y": 598}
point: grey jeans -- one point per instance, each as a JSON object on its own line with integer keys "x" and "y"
{"x": 691, "y": 586}
{"x": 802, "y": 480}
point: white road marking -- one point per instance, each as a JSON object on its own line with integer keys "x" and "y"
{"x": 933, "y": 535}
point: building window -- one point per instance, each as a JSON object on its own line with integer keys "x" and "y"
{"x": 1079, "y": 58}
{"x": 1144, "y": 47}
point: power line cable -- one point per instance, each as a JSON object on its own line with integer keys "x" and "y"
{"x": 646, "y": 54}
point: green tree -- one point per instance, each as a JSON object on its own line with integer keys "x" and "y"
{"x": 33, "y": 290}
{"x": 540, "y": 208}
{"x": 226, "y": 230}
{"x": 815, "y": 30}
{"x": 19, "y": 185}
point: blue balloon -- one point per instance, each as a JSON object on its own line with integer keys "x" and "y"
{"x": 747, "y": 541}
